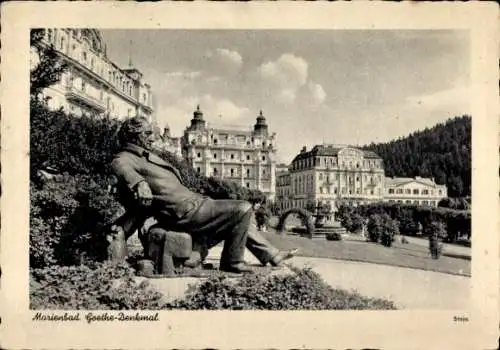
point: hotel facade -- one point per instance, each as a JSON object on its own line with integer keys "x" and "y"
{"x": 416, "y": 190}
{"x": 242, "y": 155}
{"x": 93, "y": 85}
{"x": 342, "y": 175}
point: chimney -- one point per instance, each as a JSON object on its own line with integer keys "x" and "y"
{"x": 304, "y": 149}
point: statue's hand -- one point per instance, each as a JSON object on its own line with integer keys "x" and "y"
{"x": 143, "y": 194}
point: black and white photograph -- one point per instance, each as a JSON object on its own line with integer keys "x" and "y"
{"x": 251, "y": 169}
{"x": 189, "y": 162}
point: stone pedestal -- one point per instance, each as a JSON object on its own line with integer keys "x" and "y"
{"x": 168, "y": 249}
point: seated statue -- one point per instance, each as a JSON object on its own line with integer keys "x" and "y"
{"x": 148, "y": 186}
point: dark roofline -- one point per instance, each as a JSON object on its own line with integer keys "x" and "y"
{"x": 322, "y": 150}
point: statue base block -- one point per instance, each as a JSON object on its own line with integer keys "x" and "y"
{"x": 168, "y": 249}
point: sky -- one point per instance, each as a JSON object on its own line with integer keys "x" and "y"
{"x": 313, "y": 86}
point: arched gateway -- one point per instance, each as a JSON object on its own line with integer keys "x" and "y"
{"x": 304, "y": 215}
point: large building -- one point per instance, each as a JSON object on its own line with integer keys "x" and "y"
{"x": 242, "y": 155}
{"x": 331, "y": 174}
{"x": 93, "y": 85}
{"x": 346, "y": 175}
{"x": 416, "y": 190}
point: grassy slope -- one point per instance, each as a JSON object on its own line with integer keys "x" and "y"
{"x": 404, "y": 255}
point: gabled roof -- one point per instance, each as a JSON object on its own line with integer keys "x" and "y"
{"x": 399, "y": 181}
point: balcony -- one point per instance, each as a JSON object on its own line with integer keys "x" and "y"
{"x": 82, "y": 98}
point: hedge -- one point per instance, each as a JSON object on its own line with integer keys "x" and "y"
{"x": 301, "y": 290}
{"x": 413, "y": 219}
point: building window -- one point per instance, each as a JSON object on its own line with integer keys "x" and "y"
{"x": 198, "y": 169}
{"x": 232, "y": 172}
{"x": 248, "y": 157}
{"x": 426, "y": 192}
{"x": 84, "y": 86}
{"x": 263, "y": 171}
{"x": 440, "y": 192}
{"x": 263, "y": 158}
{"x": 408, "y": 202}
{"x": 199, "y": 155}
{"x": 92, "y": 63}
{"x": 215, "y": 141}
{"x": 357, "y": 177}
{"x": 84, "y": 56}
{"x": 248, "y": 184}
{"x": 232, "y": 156}
{"x": 215, "y": 171}
{"x": 416, "y": 191}
{"x": 408, "y": 191}
{"x": 399, "y": 191}
{"x": 391, "y": 190}
{"x": 248, "y": 172}
{"x": 215, "y": 155}
{"x": 391, "y": 201}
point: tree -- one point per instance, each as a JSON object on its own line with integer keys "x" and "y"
{"x": 442, "y": 152}
{"x": 389, "y": 230}
{"x": 374, "y": 228}
{"x": 435, "y": 231}
{"x": 47, "y": 65}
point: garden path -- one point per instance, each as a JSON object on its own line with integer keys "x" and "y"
{"x": 407, "y": 288}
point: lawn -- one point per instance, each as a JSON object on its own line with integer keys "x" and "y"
{"x": 404, "y": 255}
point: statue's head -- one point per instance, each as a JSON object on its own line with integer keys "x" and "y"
{"x": 138, "y": 131}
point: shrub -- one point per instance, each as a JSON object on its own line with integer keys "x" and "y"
{"x": 67, "y": 217}
{"x": 103, "y": 286}
{"x": 435, "y": 231}
{"x": 82, "y": 145}
{"x": 412, "y": 218}
{"x": 389, "y": 230}
{"x": 374, "y": 228}
{"x": 381, "y": 228}
{"x": 333, "y": 236}
{"x": 302, "y": 290}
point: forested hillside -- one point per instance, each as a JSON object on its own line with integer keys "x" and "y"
{"x": 442, "y": 152}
